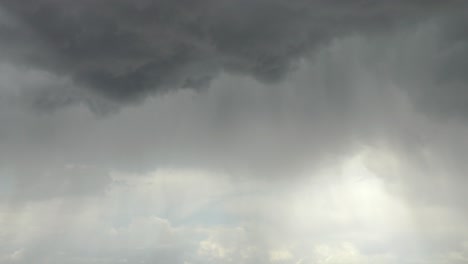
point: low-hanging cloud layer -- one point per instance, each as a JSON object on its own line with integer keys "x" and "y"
{"x": 233, "y": 131}
{"x": 125, "y": 50}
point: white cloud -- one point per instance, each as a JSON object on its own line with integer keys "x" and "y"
{"x": 346, "y": 214}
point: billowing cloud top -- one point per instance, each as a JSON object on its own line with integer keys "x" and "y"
{"x": 233, "y": 131}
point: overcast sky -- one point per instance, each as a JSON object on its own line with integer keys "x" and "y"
{"x": 233, "y": 131}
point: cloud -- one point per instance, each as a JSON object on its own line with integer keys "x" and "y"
{"x": 328, "y": 217}
{"x": 282, "y": 131}
{"x": 126, "y": 50}
{"x": 356, "y": 91}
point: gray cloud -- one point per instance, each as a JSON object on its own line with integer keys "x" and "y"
{"x": 442, "y": 87}
{"x": 125, "y": 50}
{"x": 350, "y": 92}
{"x": 247, "y": 170}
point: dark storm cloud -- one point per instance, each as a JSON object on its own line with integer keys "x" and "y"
{"x": 125, "y": 50}
{"x": 107, "y": 53}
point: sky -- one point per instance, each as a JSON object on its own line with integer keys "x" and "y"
{"x": 233, "y": 131}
